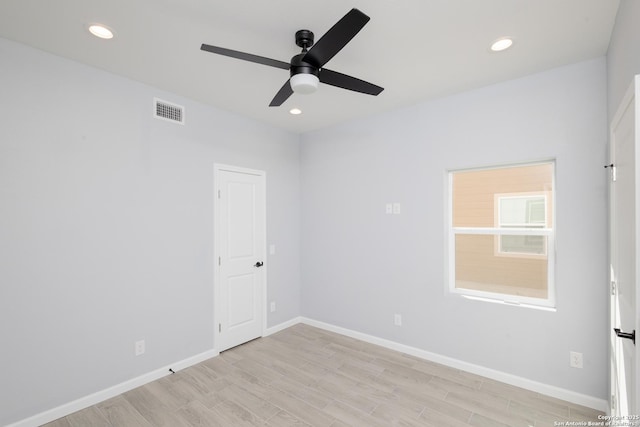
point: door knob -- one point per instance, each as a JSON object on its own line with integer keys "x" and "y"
{"x": 259, "y": 264}
{"x": 630, "y": 336}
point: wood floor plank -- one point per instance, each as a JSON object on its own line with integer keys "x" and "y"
{"x": 308, "y": 377}
{"x": 243, "y": 397}
{"x": 434, "y": 418}
{"x": 285, "y": 419}
{"x": 310, "y": 394}
{"x": 392, "y": 414}
{"x": 478, "y": 420}
{"x": 89, "y": 417}
{"x": 442, "y": 407}
{"x": 152, "y": 408}
{"x": 347, "y": 391}
{"x": 301, "y": 410}
{"x": 119, "y": 412}
{"x": 233, "y": 414}
{"x": 198, "y": 415}
{"x": 60, "y": 422}
{"x": 347, "y": 415}
{"x": 486, "y": 408}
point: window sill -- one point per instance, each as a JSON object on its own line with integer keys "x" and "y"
{"x": 511, "y": 303}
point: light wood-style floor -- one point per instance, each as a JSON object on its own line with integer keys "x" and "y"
{"x": 304, "y": 376}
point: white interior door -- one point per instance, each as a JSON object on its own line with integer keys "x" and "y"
{"x": 624, "y": 217}
{"x": 240, "y": 248}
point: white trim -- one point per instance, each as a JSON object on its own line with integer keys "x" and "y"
{"x": 503, "y": 302}
{"x": 113, "y": 391}
{"x": 546, "y": 389}
{"x": 282, "y": 326}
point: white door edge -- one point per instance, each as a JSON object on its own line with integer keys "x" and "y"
{"x": 217, "y": 167}
{"x": 631, "y": 95}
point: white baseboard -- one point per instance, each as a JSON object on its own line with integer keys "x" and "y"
{"x": 284, "y": 325}
{"x": 100, "y": 396}
{"x": 549, "y": 390}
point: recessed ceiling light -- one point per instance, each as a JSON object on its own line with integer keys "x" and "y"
{"x": 101, "y": 31}
{"x": 295, "y": 111}
{"x": 501, "y": 44}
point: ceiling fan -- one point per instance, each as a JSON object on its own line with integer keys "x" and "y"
{"x": 306, "y": 68}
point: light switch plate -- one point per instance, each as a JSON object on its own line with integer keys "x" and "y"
{"x": 397, "y": 319}
{"x": 140, "y": 347}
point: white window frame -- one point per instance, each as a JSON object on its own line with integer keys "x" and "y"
{"x": 548, "y": 303}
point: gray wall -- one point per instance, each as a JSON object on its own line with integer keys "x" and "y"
{"x": 623, "y": 57}
{"x": 360, "y": 266}
{"x": 106, "y": 227}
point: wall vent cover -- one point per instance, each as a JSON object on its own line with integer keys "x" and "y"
{"x": 168, "y": 111}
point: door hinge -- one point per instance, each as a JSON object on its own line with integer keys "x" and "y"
{"x": 219, "y": 327}
{"x": 218, "y": 194}
{"x": 613, "y": 171}
{"x": 613, "y": 402}
{"x": 613, "y": 287}
{"x": 219, "y": 261}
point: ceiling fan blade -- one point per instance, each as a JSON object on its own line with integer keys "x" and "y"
{"x": 246, "y": 56}
{"x": 344, "y": 81}
{"x": 336, "y": 38}
{"x": 283, "y": 94}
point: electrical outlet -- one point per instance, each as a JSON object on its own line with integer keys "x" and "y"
{"x": 397, "y": 320}
{"x": 140, "y": 347}
{"x": 575, "y": 359}
{"x": 396, "y": 209}
{"x": 273, "y": 306}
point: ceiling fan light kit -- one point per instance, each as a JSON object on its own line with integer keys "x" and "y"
{"x": 306, "y": 69}
{"x": 304, "y": 83}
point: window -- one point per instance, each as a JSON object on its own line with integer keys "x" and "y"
{"x": 501, "y": 233}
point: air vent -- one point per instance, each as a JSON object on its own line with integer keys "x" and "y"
{"x": 167, "y": 111}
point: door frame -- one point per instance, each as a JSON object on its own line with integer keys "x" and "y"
{"x": 631, "y": 95}
{"x": 217, "y": 303}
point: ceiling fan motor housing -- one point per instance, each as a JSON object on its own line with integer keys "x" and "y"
{"x": 299, "y": 66}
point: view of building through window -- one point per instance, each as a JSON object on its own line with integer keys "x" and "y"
{"x": 501, "y": 233}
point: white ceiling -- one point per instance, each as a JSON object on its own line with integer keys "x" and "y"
{"x": 415, "y": 49}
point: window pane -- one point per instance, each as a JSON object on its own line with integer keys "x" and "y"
{"x": 522, "y": 211}
{"x": 480, "y": 266}
{"x": 475, "y": 193}
{"x": 534, "y": 245}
